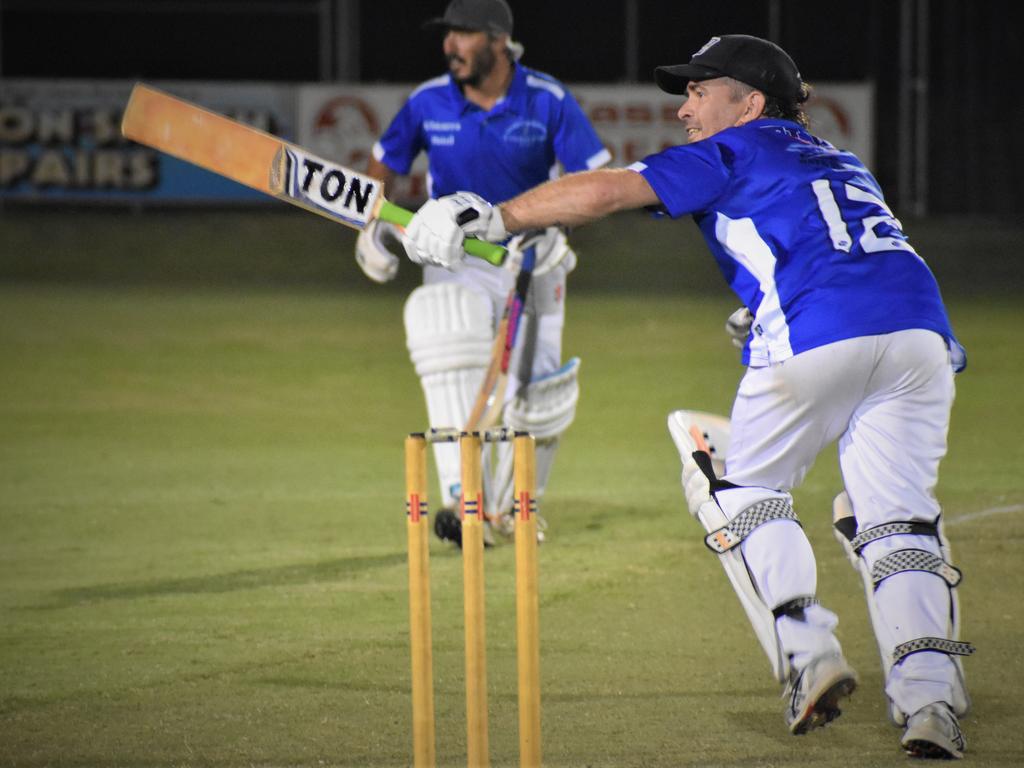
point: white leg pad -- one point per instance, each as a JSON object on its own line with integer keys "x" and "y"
{"x": 545, "y": 408}
{"x": 715, "y": 429}
{"x": 547, "y": 405}
{"x": 764, "y": 553}
{"x": 448, "y": 331}
{"x": 910, "y": 590}
{"x": 770, "y": 563}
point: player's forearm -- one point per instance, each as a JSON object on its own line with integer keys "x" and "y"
{"x": 577, "y": 199}
{"x": 379, "y": 170}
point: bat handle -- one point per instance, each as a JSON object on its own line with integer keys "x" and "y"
{"x": 489, "y": 252}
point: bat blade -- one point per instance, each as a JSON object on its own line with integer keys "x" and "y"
{"x": 201, "y": 137}
{"x": 265, "y": 162}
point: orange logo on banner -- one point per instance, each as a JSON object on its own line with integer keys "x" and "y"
{"x": 346, "y": 127}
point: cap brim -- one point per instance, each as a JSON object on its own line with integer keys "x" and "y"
{"x": 673, "y": 78}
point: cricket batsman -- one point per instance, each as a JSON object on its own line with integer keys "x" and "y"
{"x": 849, "y": 341}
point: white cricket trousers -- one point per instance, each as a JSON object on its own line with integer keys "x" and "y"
{"x": 887, "y": 400}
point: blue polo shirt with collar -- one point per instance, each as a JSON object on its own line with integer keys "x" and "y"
{"x": 497, "y": 153}
{"x": 803, "y": 235}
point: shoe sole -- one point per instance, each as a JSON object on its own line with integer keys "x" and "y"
{"x": 448, "y": 527}
{"x": 929, "y": 750}
{"x": 825, "y": 707}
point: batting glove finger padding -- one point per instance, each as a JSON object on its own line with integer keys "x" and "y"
{"x": 476, "y": 216}
{"x": 373, "y": 250}
{"x": 551, "y": 247}
{"x": 433, "y": 236}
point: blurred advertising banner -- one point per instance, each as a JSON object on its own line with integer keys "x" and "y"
{"x": 61, "y": 141}
{"x": 341, "y": 122}
{"x": 635, "y": 121}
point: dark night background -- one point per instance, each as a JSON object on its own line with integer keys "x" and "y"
{"x": 974, "y": 57}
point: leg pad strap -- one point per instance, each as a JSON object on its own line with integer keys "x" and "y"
{"x": 728, "y": 536}
{"x": 940, "y": 644}
{"x": 864, "y": 538}
{"x": 794, "y": 607}
{"x": 914, "y": 560}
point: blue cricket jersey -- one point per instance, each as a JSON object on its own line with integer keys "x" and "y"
{"x": 802, "y": 235}
{"x": 498, "y": 153}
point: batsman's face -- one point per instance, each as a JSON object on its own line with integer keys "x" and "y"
{"x": 711, "y": 106}
{"x": 471, "y": 55}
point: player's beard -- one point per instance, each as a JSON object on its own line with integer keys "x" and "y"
{"x": 482, "y": 66}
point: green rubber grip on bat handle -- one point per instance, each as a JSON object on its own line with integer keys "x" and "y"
{"x": 489, "y": 252}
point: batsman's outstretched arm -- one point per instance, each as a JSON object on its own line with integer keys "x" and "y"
{"x": 577, "y": 199}
{"x": 437, "y": 232}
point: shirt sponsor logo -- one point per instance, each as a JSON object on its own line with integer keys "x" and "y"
{"x": 526, "y": 133}
{"x": 438, "y": 125}
{"x": 442, "y": 141}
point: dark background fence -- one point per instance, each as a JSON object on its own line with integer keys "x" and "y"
{"x": 945, "y": 71}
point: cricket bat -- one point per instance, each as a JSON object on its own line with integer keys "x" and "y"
{"x": 266, "y": 163}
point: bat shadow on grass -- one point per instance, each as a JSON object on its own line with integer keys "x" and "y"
{"x": 285, "y": 575}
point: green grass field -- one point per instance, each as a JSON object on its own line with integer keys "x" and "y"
{"x": 202, "y": 542}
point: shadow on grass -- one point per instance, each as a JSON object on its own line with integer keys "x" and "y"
{"x": 287, "y": 575}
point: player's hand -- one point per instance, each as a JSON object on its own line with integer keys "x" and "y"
{"x": 477, "y": 217}
{"x": 738, "y": 326}
{"x": 551, "y": 249}
{"x": 437, "y": 231}
{"x": 434, "y": 237}
{"x": 374, "y": 253}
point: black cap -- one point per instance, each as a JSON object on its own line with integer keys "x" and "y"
{"x": 492, "y": 16}
{"x": 751, "y": 60}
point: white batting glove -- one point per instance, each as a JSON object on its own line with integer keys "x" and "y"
{"x": 738, "y": 326}
{"x": 373, "y": 250}
{"x": 437, "y": 231}
{"x": 477, "y": 217}
{"x": 552, "y": 249}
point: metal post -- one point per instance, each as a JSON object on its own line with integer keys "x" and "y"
{"x": 631, "y": 50}
{"x": 905, "y": 130}
{"x": 346, "y": 40}
{"x": 775, "y": 21}
{"x": 1, "y": 38}
{"x": 325, "y": 41}
{"x": 921, "y": 104}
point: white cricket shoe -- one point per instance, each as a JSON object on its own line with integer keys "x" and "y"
{"x": 506, "y": 526}
{"x": 933, "y": 732}
{"x": 814, "y": 693}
